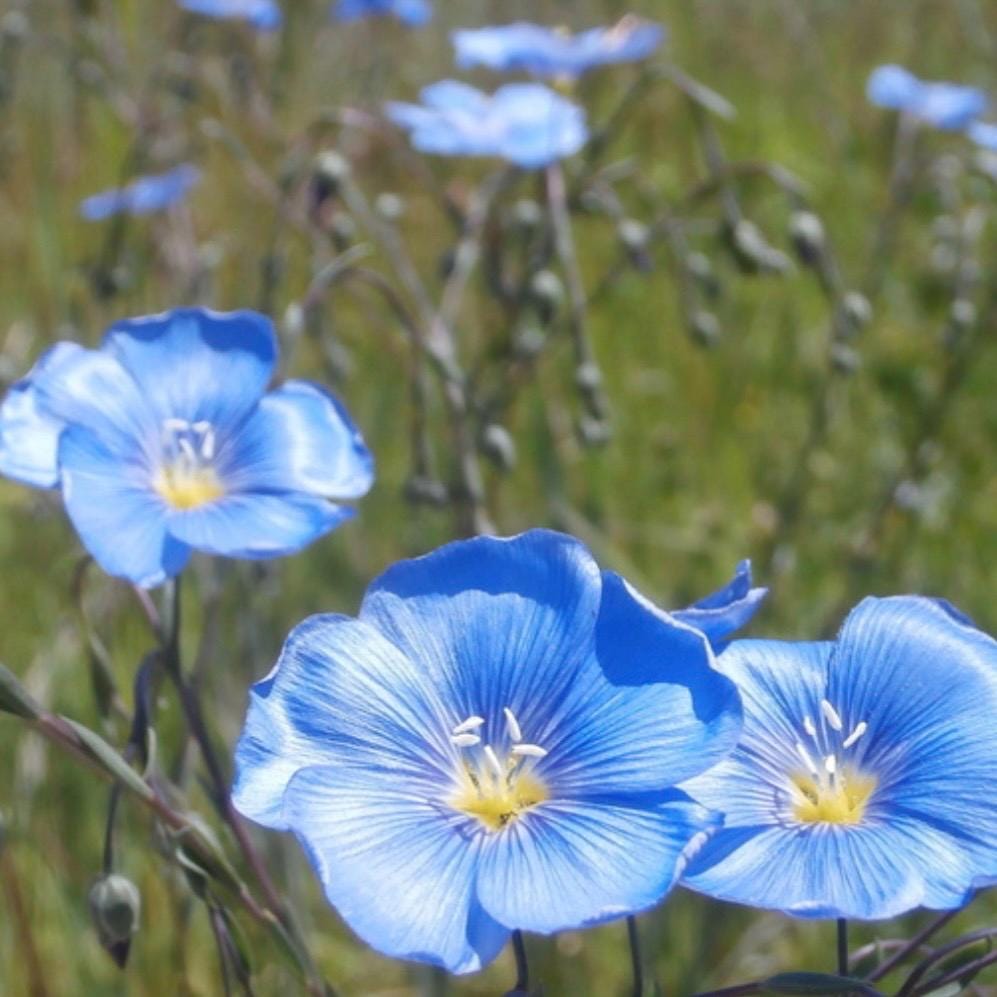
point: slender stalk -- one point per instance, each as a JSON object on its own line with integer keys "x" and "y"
{"x": 633, "y": 937}
{"x": 522, "y": 966}
{"x": 910, "y": 985}
{"x": 969, "y": 969}
{"x": 27, "y": 951}
{"x": 842, "y": 937}
{"x": 911, "y": 946}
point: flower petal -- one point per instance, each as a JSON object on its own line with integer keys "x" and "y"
{"x": 120, "y": 521}
{"x": 892, "y": 86}
{"x": 399, "y": 869}
{"x": 299, "y": 438}
{"x": 29, "y": 436}
{"x": 728, "y": 609}
{"x": 566, "y": 865}
{"x": 256, "y": 525}
{"x": 340, "y": 690}
{"x": 196, "y": 364}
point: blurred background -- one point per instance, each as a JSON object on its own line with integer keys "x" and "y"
{"x": 815, "y": 391}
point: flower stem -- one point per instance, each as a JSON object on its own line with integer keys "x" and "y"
{"x": 911, "y": 946}
{"x": 842, "y": 932}
{"x": 522, "y": 966}
{"x": 633, "y": 937}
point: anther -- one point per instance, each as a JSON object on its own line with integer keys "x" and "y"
{"x": 493, "y": 761}
{"x": 830, "y": 714}
{"x": 809, "y": 727}
{"x": 465, "y": 740}
{"x": 807, "y": 760}
{"x": 512, "y": 725}
{"x": 529, "y": 750}
{"x": 830, "y": 764}
{"x": 471, "y": 723}
{"x": 859, "y": 730}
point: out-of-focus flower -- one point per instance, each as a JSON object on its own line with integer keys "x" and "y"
{"x": 143, "y": 196}
{"x": 550, "y": 52}
{"x": 984, "y": 133}
{"x": 524, "y": 123}
{"x": 490, "y": 746}
{"x": 411, "y": 12}
{"x": 264, "y": 15}
{"x": 163, "y": 441}
{"x": 944, "y": 105}
{"x": 728, "y": 609}
{"x": 861, "y": 786}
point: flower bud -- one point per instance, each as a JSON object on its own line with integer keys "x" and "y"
{"x": 588, "y": 377}
{"x": 701, "y": 270}
{"x": 806, "y": 231}
{"x": 420, "y": 489}
{"x": 636, "y": 238}
{"x": 499, "y": 447}
{"x": 528, "y": 342}
{"x": 527, "y": 215}
{"x": 330, "y": 170}
{"x": 704, "y": 328}
{"x": 594, "y": 432}
{"x": 115, "y": 909}
{"x": 753, "y": 253}
{"x": 389, "y": 206}
{"x": 547, "y": 292}
{"x": 857, "y": 310}
{"x": 963, "y": 313}
{"x": 343, "y": 230}
{"x": 844, "y": 359}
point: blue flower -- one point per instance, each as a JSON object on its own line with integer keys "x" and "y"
{"x": 549, "y": 52}
{"x": 863, "y": 784}
{"x": 944, "y": 105}
{"x": 524, "y": 123}
{"x": 490, "y": 746}
{"x": 984, "y": 133}
{"x": 412, "y": 12}
{"x": 143, "y": 196}
{"x": 726, "y": 610}
{"x": 163, "y": 441}
{"x": 264, "y": 15}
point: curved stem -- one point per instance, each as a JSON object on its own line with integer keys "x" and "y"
{"x": 911, "y": 946}
{"x": 633, "y": 937}
{"x": 522, "y": 966}
{"x": 842, "y": 937}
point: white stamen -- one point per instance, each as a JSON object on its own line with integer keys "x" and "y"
{"x": 529, "y": 750}
{"x": 830, "y": 714}
{"x": 830, "y": 764}
{"x": 208, "y": 444}
{"x": 176, "y": 425}
{"x": 471, "y": 723}
{"x": 494, "y": 762}
{"x": 187, "y": 449}
{"x": 807, "y": 760}
{"x": 859, "y": 730}
{"x": 809, "y": 727}
{"x": 465, "y": 740}
{"x": 512, "y": 725}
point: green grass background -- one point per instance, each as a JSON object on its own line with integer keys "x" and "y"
{"x": 705, "y": 441}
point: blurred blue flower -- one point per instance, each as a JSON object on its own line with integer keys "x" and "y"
{"x": 264, "y": 15}
{"x": 984, "y": 133}
{"x": 728, "y": 609}
{"x": 412, "y": 12}
{"x": 549, "y": 52}
{"x": 524, "y": 123}
{"x": 490, "y": 746}
{"x": 862, "y": 786}
{"x": 143, "y": 196}
{"x": 944, "y": 105}
{"x": 163, "y": 441}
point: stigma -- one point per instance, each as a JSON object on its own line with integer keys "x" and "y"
{"x": 829, "y": 788}
{"x": 497, "y": 782}
{"x": 186, "y": 477}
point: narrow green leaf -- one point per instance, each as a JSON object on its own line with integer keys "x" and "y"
{"x": 110, "y": 760}
{"x": 816, "y": 985}
{"x": 14, "y": 698}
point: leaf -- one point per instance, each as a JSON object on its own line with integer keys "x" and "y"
{"x": 109, "y": 759}
{"x": 816, "y": 984}
{"x": 701, "y": 94}
{"x": 14, "y": 698}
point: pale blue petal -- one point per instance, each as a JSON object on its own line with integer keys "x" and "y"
{"x": 984, "y": 133}
{"x": 893, "y": 87}
{"x": 121, "y": 522}
{"x": 399, "y": 868}
{"x": 300, "y": 438}
{"x": 97, "y": 207}
{"x": 728, "y": 609}
{"x": 265, "y": 15}
{"x": 340, "y": 689}
{"x": 539, "y": 125}
{"x": 29, "y": 436}
{"x": 256, "y": 525}
{"x": 415, "y": 13}
{"x": 571, "y": 864}
{"x": 150, "y": 194}
{"x": 452, "y": 95}
{"x": 196, "y": 364}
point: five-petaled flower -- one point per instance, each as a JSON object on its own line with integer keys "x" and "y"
{"x": 412, "y": 12}
{"x": 951, "y": 106}
{"x": 552, "y": 53}
{"x": 163, "y": 441}
{"x": 144, "y": 195}
{"x": 492, "y": 745}
{"x": 527, "y": 124}
{"x": 863, "y": 784}
{"x": 264, "y": 15}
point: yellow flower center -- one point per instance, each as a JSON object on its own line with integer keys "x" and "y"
{"x": 492, "y": 789}
{"x": 841, "y": 801}
{"x": 186, "y": 478}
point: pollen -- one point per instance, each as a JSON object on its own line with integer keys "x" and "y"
{"x": 497, "y": 803}
{"x": 841, "y": 799}
{"x": 188, "y": 488}
{"x": 186, "y": 478}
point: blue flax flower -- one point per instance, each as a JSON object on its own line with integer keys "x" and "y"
{"x": 524, "y": 123}
{"x": 863, "y": 784}
{"x": 143, "y": 196}
{"x": 264, "y": 15}
{"x": 492, "y": 745}
{"x": 549, "y": 52}
{"x": 728, "y": 609}
{"x": 984, "y": 133}
{"x": 943, "y": 105}
{"x": 163, "y": 441}
{"x": 411, "y": 12}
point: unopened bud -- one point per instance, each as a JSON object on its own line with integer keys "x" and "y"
{"x": 423, "y": 490}
{"x": 857, "y": 310}
{"x": 753, "y": 253}
{"x": 498, "y": 445}
{"x": 844, "y": 359}
{"x": 115, "y": 908}
{"x": 701, "y": 270}
{"x": 806, "y": 231}
{"x": 547, "y": 292}
{"x": 704, "y": 328}
{"x": 635, "y": 237}
{"x": 527, "y": 214}
{"x": 389, "y": 206}
{"x": 963, "y": 313}
{"x": 588, "y": 377}
{"x": 14, "y": 25}
{"x": 343, "y": 230}
{"x": 528, "y": 342}
{"x": 329, "y": 172}
{"x": 594, "y": 432}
